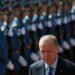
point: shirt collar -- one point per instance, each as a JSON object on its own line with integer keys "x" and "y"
{"x": 53, "y": 65}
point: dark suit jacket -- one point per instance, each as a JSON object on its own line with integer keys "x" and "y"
{"x": 64, "y": 67}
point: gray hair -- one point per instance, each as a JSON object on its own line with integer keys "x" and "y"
{"x": 49, "y": 39}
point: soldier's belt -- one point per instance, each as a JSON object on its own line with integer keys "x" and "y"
{"x": 28, "y": 46}
{"x": 18, "y": 51}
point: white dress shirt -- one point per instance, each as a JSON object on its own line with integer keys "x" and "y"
{"x": 53, "y": 65}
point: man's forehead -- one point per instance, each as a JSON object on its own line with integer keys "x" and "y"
{"x": 45, "y": 43}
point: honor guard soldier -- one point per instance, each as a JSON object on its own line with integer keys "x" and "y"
{"x": 66, "y": 28}
{"x": 73, "y": 18}
{"x": 73, "y": 28}
{"x": 58, "y": 27}
{"x": 34, "y": 23}
{"x": 42, "y": 12}
{"x": 27, "y": 40}
{"x": 4, "y": 61}
{"x": 52, "y": 18}
{"x": 14, "y": 33}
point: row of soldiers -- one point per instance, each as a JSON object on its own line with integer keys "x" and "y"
{"x": 20, "y": 32}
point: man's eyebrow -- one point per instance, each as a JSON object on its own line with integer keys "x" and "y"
{"x": 41, "y": 46}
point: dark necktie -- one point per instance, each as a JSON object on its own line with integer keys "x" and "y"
{"x": 50, "y": 71}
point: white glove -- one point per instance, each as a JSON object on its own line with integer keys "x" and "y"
{"x": 49, "y": 24}
{"x": 59, "y": 22}
{"x": 10, "y": 65}
{"x": 40, "y": 26}
{"x": 33, "y": 28}
{"x": 23, "y": 32}
{"x": 4, "y": 26}
{"x": 73, "y": 17}
{"x": 10, "y": 32}
{"x": 72, "y": 42}
{"x": 24, "y": 21}
{"x": 22, "y": 61}
{"x": 65, "y": 20}
{"x": 65, "y": 45}
{"x": 34, "y": 57}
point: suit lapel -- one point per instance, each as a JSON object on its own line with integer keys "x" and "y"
{"x": 60, "y": 67}
{"x": 59, "y": 72}
{"x": 41, "y": 69}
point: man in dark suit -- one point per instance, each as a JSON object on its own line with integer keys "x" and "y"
{"x": 49, "y": 50}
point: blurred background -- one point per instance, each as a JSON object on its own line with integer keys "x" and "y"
{"x": 23, "y": 22}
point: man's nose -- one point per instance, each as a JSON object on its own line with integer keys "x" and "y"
{"x": 46, "y": 55}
